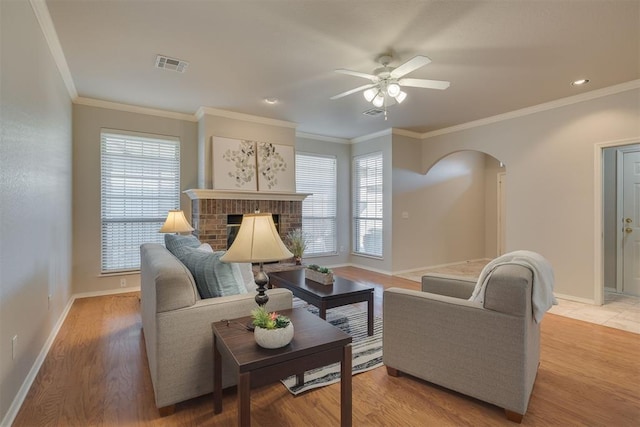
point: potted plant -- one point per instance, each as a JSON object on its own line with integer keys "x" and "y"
{"x": 319, "y": 274}
{"x": 297, "y": 242}
{"x": 272, "y": 330}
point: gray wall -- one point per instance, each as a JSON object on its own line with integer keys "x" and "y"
{"x": 35, "y": 196}
{"x": 551, "y": 179}
{"x": 87, "y": 124}
{"x": 343, "y": 160}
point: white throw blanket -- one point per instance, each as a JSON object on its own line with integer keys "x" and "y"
{"x": 542, "y": 287}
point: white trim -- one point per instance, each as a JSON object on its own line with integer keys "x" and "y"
{"x": 242, "y": 116}
{"x": 598, "y": 217}
{"x": 404, "y": 132}
{"x": 572, "y": 298}
{"x": 37, "y": 364}
{"x": 440, "y": 265}
{"x": 18, "y": 400}
{"x": 562, "y": 102}
{"x": 371, "y": 136}
{"x": 92, "y": 102}
{"x": 203, "y": 193}
{"x": 48, "y": 29}
{"x": 322, "y": 138}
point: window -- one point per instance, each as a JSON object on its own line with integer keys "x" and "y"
{"x": 367, "y": 209}
{"x": 140, "y": 184}
{"x": 316, "y": 174}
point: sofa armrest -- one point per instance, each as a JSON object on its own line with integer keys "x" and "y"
{"x": 452, "y": 286}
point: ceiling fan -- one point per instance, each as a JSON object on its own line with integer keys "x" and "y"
{"x": 387, "y": 82}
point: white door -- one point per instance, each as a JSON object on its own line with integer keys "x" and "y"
{"x": 631, "y": 223}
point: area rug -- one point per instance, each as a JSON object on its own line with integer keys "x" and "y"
{"x": 366, "y": 350}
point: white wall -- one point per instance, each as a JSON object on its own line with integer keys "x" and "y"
{"x": 551, "y": 182}
{"x": 446, "y": 207}
{"x": 87, "y": 124}
{"x": 35, "y": 197}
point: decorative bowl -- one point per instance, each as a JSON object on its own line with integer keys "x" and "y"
{"x": 273, "y": 338}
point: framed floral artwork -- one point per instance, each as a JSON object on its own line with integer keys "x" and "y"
{"x": 276, "y": 168}
{"x": 234, "y": 164}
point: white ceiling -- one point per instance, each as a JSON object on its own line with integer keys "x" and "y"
{"x": 499, "y": 56}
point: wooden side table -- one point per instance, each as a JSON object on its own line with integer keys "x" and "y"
{"x": 315, "y": 343}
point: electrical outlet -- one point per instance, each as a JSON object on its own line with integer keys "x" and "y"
{"x": 14, "y": 346}
{"x": 49, "y": 302}
{"x": 123, "y": 283}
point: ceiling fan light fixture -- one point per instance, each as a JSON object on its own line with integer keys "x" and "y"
{"x": 369, "y": 94}
{"x": 393, "y": 89}
{"x": 378, "y": 101}
{"x": 401, "y": 97}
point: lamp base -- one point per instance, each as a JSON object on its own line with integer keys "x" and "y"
{"x": 262, "y": 280}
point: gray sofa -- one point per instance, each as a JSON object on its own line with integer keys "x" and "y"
{"x": 177, "y": 326}
{"x": 490, "y": 352}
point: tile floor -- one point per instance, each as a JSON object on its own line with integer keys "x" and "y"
{"x": 619, "y": 311}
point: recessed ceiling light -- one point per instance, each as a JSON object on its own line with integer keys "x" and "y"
{"x": 580, "y": 82}
{"x": 271, "y": 100}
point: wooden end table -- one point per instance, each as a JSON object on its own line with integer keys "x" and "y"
{"x": 315, "y": 343}
{"x": 341, "y": 292}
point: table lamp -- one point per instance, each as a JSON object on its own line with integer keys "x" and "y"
{"x": 257, "y": 241}
{"x": 176, "y": 223}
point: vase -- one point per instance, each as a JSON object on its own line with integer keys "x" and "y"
{"x": 273, "y": 338}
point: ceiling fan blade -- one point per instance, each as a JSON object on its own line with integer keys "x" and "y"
{"x": 358, "y": 74}
{"x": 349, "y": 92}
{"x": 409, "y": 66}
{"x": 424, "y": 83}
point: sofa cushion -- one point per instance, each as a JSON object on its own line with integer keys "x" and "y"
{"x": 176, "y": 243}
{"x": 213, "y": 277}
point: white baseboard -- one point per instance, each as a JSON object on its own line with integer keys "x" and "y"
{"x": 31, "y": 376}
{"x": 375, "y": 270}
{"x": 37, "y": 364}
{"x": 439, "y": 266}
{"x": 576, "y": 299}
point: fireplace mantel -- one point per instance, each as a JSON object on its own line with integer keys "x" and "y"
{"x": 203, "y": 193}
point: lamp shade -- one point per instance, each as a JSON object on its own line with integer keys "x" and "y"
{"x": 176, "y": 223}
{"x": 257, "y": 241}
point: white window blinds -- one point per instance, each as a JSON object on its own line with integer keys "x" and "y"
{"x": 140, "y": 183}
{"x": 367, "y": 209}
{"x": 317, "y": 175}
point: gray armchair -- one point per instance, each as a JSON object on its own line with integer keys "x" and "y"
{"x": 489, "y": 352}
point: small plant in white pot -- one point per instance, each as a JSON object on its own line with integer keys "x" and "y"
{"x": 272, "y": 330}
{"x": 297, "y": 243}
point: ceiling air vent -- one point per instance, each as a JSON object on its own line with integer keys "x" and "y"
{"x": 171, "y": 63}
{"x": 373, "y": 112}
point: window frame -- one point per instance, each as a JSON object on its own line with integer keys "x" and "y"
{"x": 357, "y": 248}
{"x": 107, "y": 265}
{"x": 308, "y": 199}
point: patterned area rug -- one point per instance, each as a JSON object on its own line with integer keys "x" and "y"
{"x": 366, "y": 350}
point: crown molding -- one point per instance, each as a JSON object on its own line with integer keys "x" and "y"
{"x": 244, "y": 117}
{"x": 322, "y": 138}
{"x": 91, "y": 102}
{"x": 363, "y": 138}
{"x": 46, "y": 25}
{"x": 404, "y": 132}
{"x": 562, "y": 102}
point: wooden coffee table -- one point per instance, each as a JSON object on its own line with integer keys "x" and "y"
{"x": 342, "y": 292}
{"x": 315, "y": 343}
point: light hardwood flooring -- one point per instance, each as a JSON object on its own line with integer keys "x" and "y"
{"x": 96, "y": 374}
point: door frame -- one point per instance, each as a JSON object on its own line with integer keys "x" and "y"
{"x": 501, "y": 220}
{"x": 620, "y": 152}
{"x": 598, "y": 187}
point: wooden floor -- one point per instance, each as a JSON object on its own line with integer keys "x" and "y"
{"x": 96, "y": 374}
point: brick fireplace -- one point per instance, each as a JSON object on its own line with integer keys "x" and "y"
{"x": 211, "y": 209}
